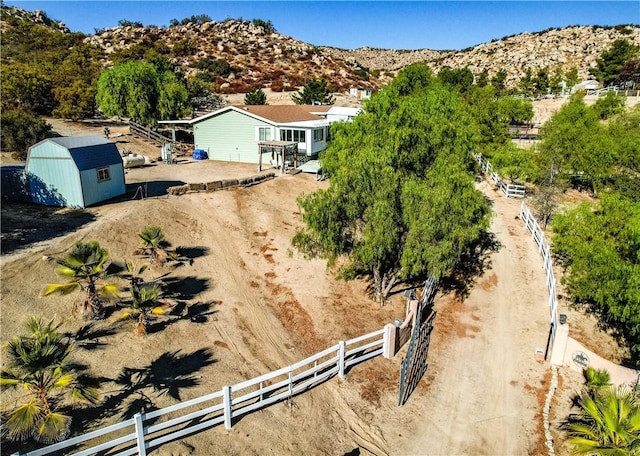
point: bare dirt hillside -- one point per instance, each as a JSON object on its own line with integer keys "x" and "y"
{"x": 247, "y": 304}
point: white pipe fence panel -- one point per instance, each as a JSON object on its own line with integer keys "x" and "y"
{"x": 510, "y": 190}
{"x": 545, "y": 251}
{"x": 283, "y": 384}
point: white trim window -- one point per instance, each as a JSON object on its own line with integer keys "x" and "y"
{"x": 103, "y": 174}
{"x": 264, "y": 134}
{"x": 290, "y": 135}
{"x": 318, "y": 135}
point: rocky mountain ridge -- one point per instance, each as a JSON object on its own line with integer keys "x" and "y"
{"x": 258, "y": 56}
{"x": 576, "y": 46}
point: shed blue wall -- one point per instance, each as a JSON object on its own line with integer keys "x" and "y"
{"x": 54, "y": 179}
{"x": 95, "y": 191}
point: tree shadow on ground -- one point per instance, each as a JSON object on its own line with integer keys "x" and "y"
{"x": 623, "y": 336}
{"x": 196, "y": 313}
{"x": 191, "y": 253}
{"x": 185, "y": 288}
{"x": 24, "y": 224}
{"x": 137, "y": 388}
{"x": 88, "y": 336}
{"x": 473, "y": 262}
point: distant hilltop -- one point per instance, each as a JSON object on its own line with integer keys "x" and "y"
{"x": 246, "y": 54}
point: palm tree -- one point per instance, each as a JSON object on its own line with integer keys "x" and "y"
{"x": 144, "y": 301}
{"x": 154, "y": 245}
{"x": 85, "y": 266}
{"x": 597, "y": 378}
{"x": 38, "y": 365}
{"x": 608, "y": 423}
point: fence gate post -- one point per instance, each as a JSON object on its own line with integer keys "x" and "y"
{"x": 341, "y": 346}
{"x": 226, "y": 394}
{"x": 139, "y": 424}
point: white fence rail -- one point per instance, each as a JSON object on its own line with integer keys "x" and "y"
{"x": 510, "y": 190}
{"x": 537, "y": 234}
{"x": 147, "y": 431}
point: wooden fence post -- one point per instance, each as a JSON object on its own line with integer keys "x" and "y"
{"x": 139, "y": 425}
{"x": 226, "y": 396}
{"x": 341, "y": 347}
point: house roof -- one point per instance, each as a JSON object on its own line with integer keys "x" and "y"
{"x": 274, "y": 114}
{"x": 88, "y": 152}
{"x": 344, "y": 111}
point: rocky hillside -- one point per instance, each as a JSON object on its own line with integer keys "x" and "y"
{"x": 566, "y": 47}
{"x": 257, "y": 56}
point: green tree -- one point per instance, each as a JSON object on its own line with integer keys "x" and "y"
{"x": 609, "y": 105}
{"x": 255, "y": 97}
{"x": 541, "y": 82}
{"x": 498, "y": 81}
{"x": 608, "y": 424}
{"x": 571, "y": 77}
{"x": 527, "y": 85}
{"x": 26, "y": 86}
{"x": 612, "y": 61}
{"x": 624, "y": 130}
{"x": 459, "y": 78}
{"x": 40, "y": 366}
{"x": 75, "y": 102}
{"x": 267, "y": 26}
{"x": 21, "y": 130}
{"x": 575, "y": 143}
{"x": 314, "y": 91}
{"x": 482, "y": 79}
{"x": 401, "y": 202}
{"x": 598, "y": 246}
{"x": 86, "y": 268}
{"x": 138, "y": 90}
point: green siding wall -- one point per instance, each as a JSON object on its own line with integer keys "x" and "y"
{"x": 229, "y": 136}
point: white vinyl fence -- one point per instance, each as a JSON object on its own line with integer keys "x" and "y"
{"x": 146, "y": 431}
{"x": 510, "y": 190}
{"x": 537, "y": 234}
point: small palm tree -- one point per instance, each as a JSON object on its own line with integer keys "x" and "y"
{"x": 608, "y": 424}
{"x": 132, "y": 273}
{"x": 597, "y": 378}
{"x": 144, "y": 302}
{"x": 39, "y": 366}
{"x": 155, "y": 246}
{"x": 85, "y": 266}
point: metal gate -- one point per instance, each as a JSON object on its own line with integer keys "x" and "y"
{"x": 415, "y": 364}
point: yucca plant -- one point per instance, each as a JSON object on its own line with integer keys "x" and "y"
{"x": 38, "y": 365}
{"x": 608, "y": 423}
{"x": 145, "y": 301}
{"x": 86, "y": 268}
{"x": 155, "y": 246}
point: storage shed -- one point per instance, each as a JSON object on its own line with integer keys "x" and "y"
{"x": 74, "y": 171}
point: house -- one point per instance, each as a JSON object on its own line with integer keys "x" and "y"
{"x": 341, "y": 113}
{"x": 74, "y": 171}
{"x": 360, "y": 93}
{"x": 586, "y": 85}
{"x": 238, "y": 133}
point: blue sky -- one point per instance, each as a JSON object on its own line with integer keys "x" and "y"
{"x": 352, "y": 24}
